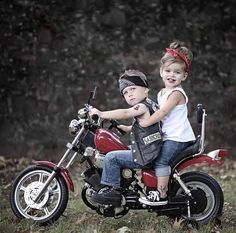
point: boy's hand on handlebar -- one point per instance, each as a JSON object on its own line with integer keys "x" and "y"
{"x": 94, "y": 111}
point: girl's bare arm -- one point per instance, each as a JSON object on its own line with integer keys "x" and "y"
{"x": 173, "y": 100}
{"x": 126, "y": 128}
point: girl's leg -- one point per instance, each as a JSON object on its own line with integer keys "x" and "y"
{"x": 162, "y": 168}
{"x": 169, "y": 150}
{"x": 162, "y": 185}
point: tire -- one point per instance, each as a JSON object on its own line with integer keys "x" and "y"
{"x": 50, "y": 206}
{"x": 208, "y": 196}
{"x": 86, "y": 197}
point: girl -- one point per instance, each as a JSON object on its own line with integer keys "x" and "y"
{"x": 178, "y": 133}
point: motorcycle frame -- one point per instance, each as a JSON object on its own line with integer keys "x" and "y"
{"x": 198, "y": 158}
{"x": 213, "y": 157}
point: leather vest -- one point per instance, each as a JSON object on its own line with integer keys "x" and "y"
{"x": 146, "y": 142}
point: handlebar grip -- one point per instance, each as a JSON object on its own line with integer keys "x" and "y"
{"x": 115, "y": 124}
{"x": 94, "y": 92}
{"x": 121, "y": 131}
{"x": 95, "y": 117}
{"x": 199, "y": 113}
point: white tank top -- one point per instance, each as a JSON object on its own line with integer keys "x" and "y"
{"x": 176, "y": 125}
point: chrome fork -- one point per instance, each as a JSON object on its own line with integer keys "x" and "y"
{"x": 70, "y": 146}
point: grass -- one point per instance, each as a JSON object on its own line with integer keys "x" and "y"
{"x": 79, "y": 218}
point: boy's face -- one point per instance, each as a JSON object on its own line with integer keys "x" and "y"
{"x": 135, "y": 94}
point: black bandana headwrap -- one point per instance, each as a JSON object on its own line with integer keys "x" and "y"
{"x": 126, "y": 81}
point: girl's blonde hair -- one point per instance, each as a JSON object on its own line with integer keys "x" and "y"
{"x": 177, "y": 52}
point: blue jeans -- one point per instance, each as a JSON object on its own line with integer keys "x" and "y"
{"x": 113, "y": 163}
{"x": 169, "y": 150}
{"x": 116, "y": 160}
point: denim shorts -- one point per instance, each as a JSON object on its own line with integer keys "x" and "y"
{"x": 169, "y": 150}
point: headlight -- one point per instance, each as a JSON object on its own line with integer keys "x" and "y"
{"x": 82, "y": 113}
{"x": 74, "y": 126}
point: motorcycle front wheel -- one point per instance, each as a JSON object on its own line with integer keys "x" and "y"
{"x": 25, "y": 188}
{"x": 207, "y": 196}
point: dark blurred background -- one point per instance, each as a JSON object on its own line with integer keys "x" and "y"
{"x": 54, "y": 52}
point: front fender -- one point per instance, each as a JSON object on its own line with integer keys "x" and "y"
{"x": 63, "y": 171}
{"x": 215, "y": 157}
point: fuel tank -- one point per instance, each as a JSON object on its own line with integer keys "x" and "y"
{"x": 106, "y": 141}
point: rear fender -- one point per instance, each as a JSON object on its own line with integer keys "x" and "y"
{"x": 63, "y": 171}
{"x": 215, "y": 157}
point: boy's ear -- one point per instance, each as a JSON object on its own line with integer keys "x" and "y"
{"x": 146, "y": 90}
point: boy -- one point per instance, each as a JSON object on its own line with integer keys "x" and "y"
{"x": 145, "y": 142}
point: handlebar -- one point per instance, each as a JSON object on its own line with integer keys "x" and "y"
{"x": 95, "y": 117}
{"x": 114, "y": 124}
{"x": 92, "y": 95}
{"x": 199, "y": 113}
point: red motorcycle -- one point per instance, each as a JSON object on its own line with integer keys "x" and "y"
{"x": 41, "y": 191}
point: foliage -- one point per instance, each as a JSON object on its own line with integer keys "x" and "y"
{"x": 54, "y": 52}
{"x": 78, "y": 218}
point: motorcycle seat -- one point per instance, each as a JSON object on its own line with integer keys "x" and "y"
{"x": 188, "y": 152}
{"x": 191, "y": 150}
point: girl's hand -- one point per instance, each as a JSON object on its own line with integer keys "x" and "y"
{"x": 143, "y": 123}
{"x": 94, "y": 111}
{"x": 125, "y": 128}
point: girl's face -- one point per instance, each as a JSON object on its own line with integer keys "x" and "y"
{"x": 173, "y": 74}
{"x": 135, "y": 94}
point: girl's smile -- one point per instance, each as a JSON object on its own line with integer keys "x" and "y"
{"x": 171, "y": 80}
{"x": 173, "y": 74}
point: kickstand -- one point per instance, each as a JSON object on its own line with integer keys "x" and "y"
{"x": 188, "y": 209}
{"x": 190, "y": 223}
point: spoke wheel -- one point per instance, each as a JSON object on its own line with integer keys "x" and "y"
{"x": 26, "y": 187}
{"x": 207, "y": 195}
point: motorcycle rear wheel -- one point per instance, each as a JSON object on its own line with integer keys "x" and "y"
{"x": 208, "y": 196}
{"x": 26, "y": 186}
